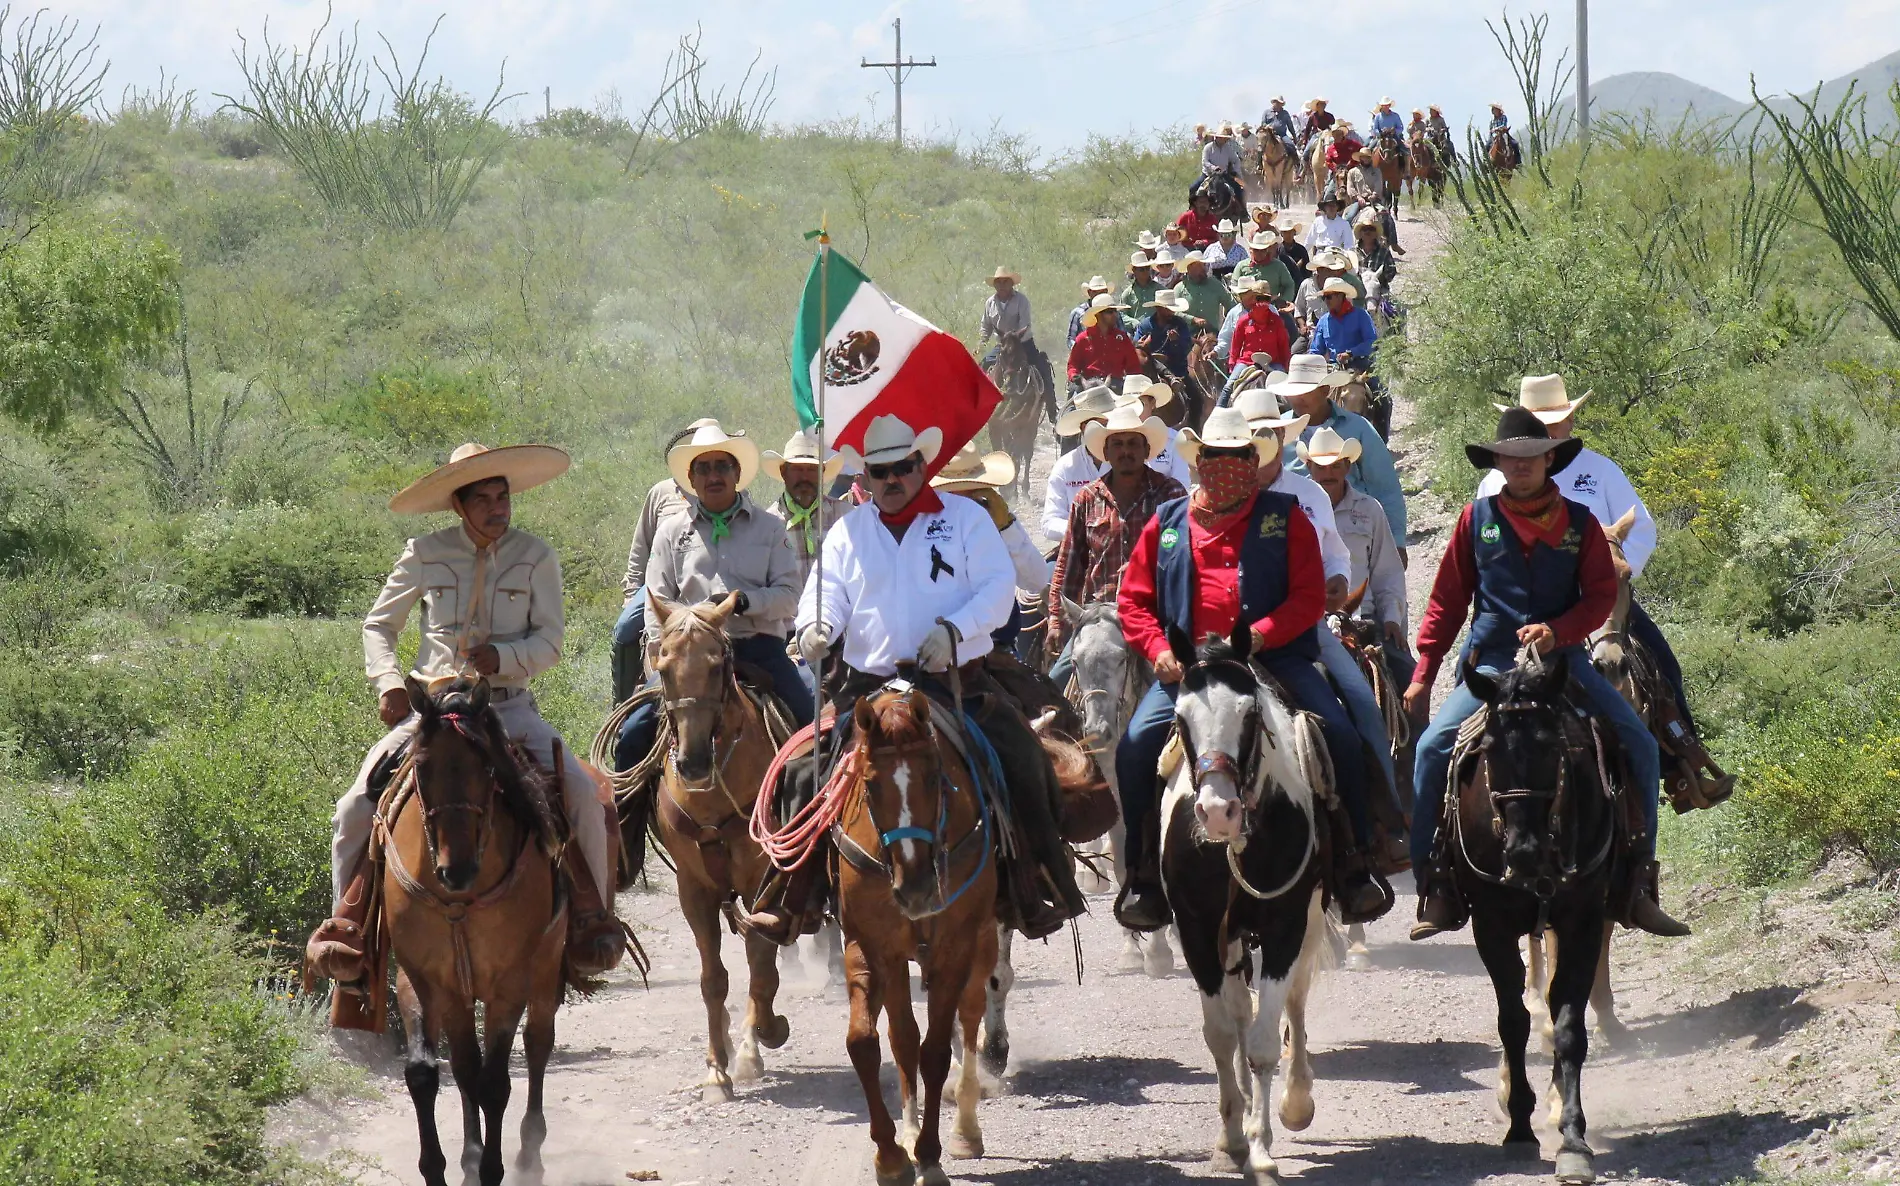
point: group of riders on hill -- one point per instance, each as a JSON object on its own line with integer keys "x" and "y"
{"x": 1233, "y": 493}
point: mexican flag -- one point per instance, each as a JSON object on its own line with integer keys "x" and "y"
{"x": 880, "y": 359}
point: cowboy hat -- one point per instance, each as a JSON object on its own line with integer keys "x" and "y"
{"x": 1264, "y": 414}
{"x": 1431, "y": 107}
{"x": 711, "y": 438}
{"x": 1095, "y": 284}
{"x": 1362, "y": 154}
{"x": 889, "y": 439}
{"x": 1192, "y": 258}
{"x": 525, "y": 467}
{"x": 1308, "y": 372}
{"x": 1281, "y": 100}
{"x": 1147, "y": 239}
{"x": 1521, "y": 434}
{"x": 1288, "y": 226}
{"x": 1226, "y": 227}
{"x": 1141, "y": 260}
{"x": 1003, "y": 273}
{"x": 1091, "y": 403}
{"x": 1224, "y": 130}
{"x": 1320, "y": 99}
{"x": 1369, "y": 217}
{"x": 1253, "y": 284}
{"x": 1226, "y": 428}
{"x": 801, "y": 449}
{"x": 1125, "y": 418}
{"x": 1544, "y": 397}
{"x": 1384, "y": 103}
{"x": 1166, "y": 258}
{"x": 1332, "y": 258}
{"x": 1326, "y": 447}
{"x": 1340, "y": 285}
{"x": 969, "y": 469}
{"x": 1136, "y": 386}
{"x": 1262, "y": 241}
{"x": 1097, "y": 304}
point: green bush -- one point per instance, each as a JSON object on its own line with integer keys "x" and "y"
{"x": 419, "y": 406}
{"x": 276, "y": 559}
{"x": 64, "y": 715}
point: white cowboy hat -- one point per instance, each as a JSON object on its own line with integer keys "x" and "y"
{"x": 1003, "y": 273}
{"x": 1224, "y": 130}
{"x": 1091, "y": 403}
{"x": 1320, "y": 99}
{"x": 1192, "y": 258}
{"x": 1262, "y": 241}
{"x": 1369, "y": 217}
{"x": 710, "y": 438}
{"x": 525, "y": 467}
{"x": 1126, "y": 417}
{"x": 801, "y": 449}
{"x": 1141, "y": 259}
{"x": 1306, "y": 373}
{"x": 890, "y": 439}
{"x": 1253, "y": 284}
{"x": 1226, "y": 227}
{"x": 1226, "y": 428}
{"x": 1280, "y": 99}
{"x": 1098, "y": 303}
{"x": 1170, "y": 299}
{"x": 1340, "y": 285}
{"x": 1287, "y": 224}
{"x": 1136, "y": 386}
{"x": 1544, "y": 397}
{"x": 1147, "y": 239}
{"x": 1384, "y": 103}
{"x": 1096, "y": 284}
{"x": 1165, "y": 257}
{"x": 1326, "y": 447}
{"x": 1332, "y": 257}
{"x": 1264, "y": 413}
{"x": 969, "y": 469}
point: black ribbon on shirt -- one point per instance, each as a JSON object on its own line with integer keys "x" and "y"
{"x": 938, "y": 564}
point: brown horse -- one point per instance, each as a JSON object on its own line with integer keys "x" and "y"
{"x": 1426, "y": 169}
{"x": 475, "y": 915}
{"x": 1014, "y": 424}
{"x": 916, "y": 882}
{"x": 1503, "y": 155}
{"x": 1388, "y": 156}
{"x": 1278, "y": 167}
{"x": 722, "y": 743}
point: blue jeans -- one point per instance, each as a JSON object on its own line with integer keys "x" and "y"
{"x": 763, "y": 651}
{"x": 625, "y": 656}
{"x": 1643, "y": 629}
{"x": 1362, "y": 707}
{"x": 1434, "y": 750}
{"x": 1063, "y": 669}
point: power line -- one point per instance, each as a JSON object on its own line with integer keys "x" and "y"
{"x": 899, "y": 67}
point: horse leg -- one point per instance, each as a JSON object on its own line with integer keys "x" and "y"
{"x": 701, "y": 908}
{"x": 1543, "y": 957}
{"x": 941, "y": 1000}
{"x": 422, "y": 1074}
{"x": 465, "y": 1062}
{"x": 996, "y": 988}
{"x": 492, "y": 1084}
{"x": 1569, "y": 991}
{"x": 890, "y": 1161}
{"x": 763, "y": 1026}
{"x": 1358, "y": 959}
{"x": 900, "y": 1027}
{"x": 1260, "y": 1052}
{"x": 1296, "y": 1098}
{"x": 1497, "y": 946}
{"x": 538, "y": 1041}
{"x": 1221, "y": 1023}
{"x": 1159, "y": 959}
{"x": 966, "y": 1140}
{"x": 1603, "y": 997}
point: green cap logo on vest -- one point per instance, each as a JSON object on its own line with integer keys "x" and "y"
{"x": 1489, "y": 533}
{"x": 1170, "y": 537}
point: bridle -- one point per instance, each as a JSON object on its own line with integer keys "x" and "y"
{"x": 725, "y": 683}
{"x": 465, "y": 728}
{"x": 1244, "y": 767}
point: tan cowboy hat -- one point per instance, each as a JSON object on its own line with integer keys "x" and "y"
{"x": 1194, "y": 257}
{"x": 1326, "y": 446}
{"x": 1003, "y": 273}
{"x": 1264, "y": 414}
{"x": 711, "y": 438}
{"x": 1225, "y": 130}
{"x": 1340, "y": 285}
{"x": 1363, "y": 154}
{"x": 1332, "y": 257}
{"x": 1369, "y": 217}
{"x": 1262, "y": 241}
{"x": 1544, "y": 397}
{"x": 1497, "y": 107}
{"x": 1280, "y": 99}
{"x": 1097, "y": 304}
{"x": 1253, "y": 284}
{"x": 1136, "y": 386}
{"x": 1226, "y": 227}
{"x": 1416, "y": 111}
{"x": 525, "y": 467}
{"x": 801, "y": 449}
{"x": 1141, "y": 259}
{"x": 1320, "y": 99}
{"x": 1308, "y": 372}
{"x": 1169, "y": 299}
{"x": 1254, "y": 208}
{"x": 1226, "y": 428}
{"x": 1095, "y": 284}
{"x": 1432, "y": 107}
{"x": 890, "y": 439}
{"x": 1091, "y": 403}
{"x": 1147, "y": 240}
{"x": 1126, "y": 417}
{"x": 968, "y": 470}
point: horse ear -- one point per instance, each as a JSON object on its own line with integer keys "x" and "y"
{"x": 919, "y": 706}
{"x": 1181, "y": 645}
{"x": 1358, "y": 595}
{"x": 1071, "y": 612}
{"x": 1242, "y": 638}
{"x": 419, "y": 699}
{"x": 863, "y": 717}
{"x": 1483, "y": 686}
{"x": 478, "y": 695}
{"x": 1620, "y": 530}
{"x": 660, "y": 610}
{"x": 1556, "y": 674}
{"x": 717, "y": 615}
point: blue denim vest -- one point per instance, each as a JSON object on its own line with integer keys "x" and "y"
{"x": 1263, "y": 567}
{"x": 1515, "y": 590}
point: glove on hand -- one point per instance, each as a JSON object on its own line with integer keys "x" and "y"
{"x": 814, "y": 645}
{"x": 994, "y": 503}
{"x": 934, "y": 653}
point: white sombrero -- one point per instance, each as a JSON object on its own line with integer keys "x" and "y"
{"x": 970, "y": 469}
{"x": 1326, "y": 447}
{"x": 801, "y": 449}
{"x": 711, "y": 438}
{"x": 1544, "y": 397}
{"x": 1264, "y": 413}
{"x": 1226, "y": 428}
{"x": 1136, "y": 386}
{"x": 1308, "y": 372}
{"x": 1095, "y": 284}
{"x": 1126, "y": 417}
{"x": 1003, "y": 273}
{"x": 889, "y": 439}
{"x": 525, "y": 467}
{"x": 1226, "y": 227}
{"x": 1091, "y": 403}
{"x": 1262, "y": 241}
{"x": 1147, "y": 240}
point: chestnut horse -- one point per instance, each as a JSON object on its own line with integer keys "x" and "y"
{"x": 1425, "y": 169}
{"x": 722, "y": 743}
{"x": 1388, "y": 156}
{"x": 916, "y": 882}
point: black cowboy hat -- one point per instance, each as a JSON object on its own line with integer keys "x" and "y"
{"x": 1521, "y": 434}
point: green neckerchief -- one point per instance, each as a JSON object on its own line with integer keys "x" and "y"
{"x": 800, "y": 519}
{"x": 721, "y": 524}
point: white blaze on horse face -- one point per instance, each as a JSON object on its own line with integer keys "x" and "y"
{"x": 1213, "y": 717}
{"x": 900, "y": 778}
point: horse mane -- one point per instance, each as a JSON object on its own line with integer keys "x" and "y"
{"x": 893, "y": 720}
{"x": 522, "y": 790}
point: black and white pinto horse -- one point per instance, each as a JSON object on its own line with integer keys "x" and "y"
{"x": 1239, "y": 861}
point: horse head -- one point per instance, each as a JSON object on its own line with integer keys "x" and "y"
{"x": 1221, "y": 715}
{"x": 457, "y": 754}
{"x": 905, "y": 794}
{"x": 1110, "y": 676}
{"x": 695, "y": 670}
{"x": 1527, "y": 767}
{"x": 1610, "y": 645}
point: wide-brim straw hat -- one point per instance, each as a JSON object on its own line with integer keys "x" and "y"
{"x": 1383, "y": 103}
{"x": 1099, "y": 304}
{"x": 1544, "y": 397}
{"x": 712, "y": 438}
{"x": 1369, "y": 217}
{"x": 1308, "y": 372}
{"x": 801, "y": 449}
{"x": 1147, "y": 239}
{"x": 1253, "y": 284}
{"x": 1521, "y": 434}
{"x": 1226, "y": 227}
{"x": 1326, "y": 447}
{"x": 525, "y": 467}
{"x": 1003, "y": 273}
{"x": 1136, "y": 386}
{"x": 1226, "y": 428}
{"x": 889, "y": 439}
{"x": 969, "y": 469}
{"x": 1170, "y": 299}
{"x": 1264, "y": 413}
{"x": 1126, "y": 417}
{"x": 1141, "y": 260}
{"x": 1263, "y": 241}
{"x": 1095, "y": 284}
{"x": 1332, "y": 257}
{"x": 1340, "y": 285}
{"x": 1090, "y": 403}
{"x": 1286, "y": 225}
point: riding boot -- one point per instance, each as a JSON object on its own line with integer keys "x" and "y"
{"x": 1696, "y": 781}
{"x": 627, "y": 676}
{"x": 1143, "y": 904}
{"x": 595, "y": 938}
{"x": 784, "y": 908}
{"x": 1357, "y": 889}
{"x": 1645, "y": 910}
{"x": 336, "y": 947}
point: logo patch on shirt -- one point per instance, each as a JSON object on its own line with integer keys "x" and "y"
{"x": 937, "y": 529}
{"x": 1586, "y": 483}
{"x": 1272, "y": 526}
{"x": 1170, "y": 537}
{"x": 1489, "y": 533}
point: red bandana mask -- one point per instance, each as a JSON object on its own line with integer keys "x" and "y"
{"x": 1224, "y": 483}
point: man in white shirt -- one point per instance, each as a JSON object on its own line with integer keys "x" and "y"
{"x": 1330, "y": 226}
{"x": 1225, "y": 253}
{"x": 1077, "y": 468}
{"x": 1600, "y": 484}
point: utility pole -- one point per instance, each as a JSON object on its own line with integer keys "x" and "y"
{"x": 1583, "y": 73}
{"x": 900, "y": 67}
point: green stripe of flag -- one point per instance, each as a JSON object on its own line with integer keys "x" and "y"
{"x": 839, "y": 279}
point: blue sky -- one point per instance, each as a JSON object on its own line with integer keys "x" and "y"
{"x": 1054, "y": 70}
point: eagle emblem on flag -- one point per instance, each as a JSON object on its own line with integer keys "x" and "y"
{"x": 853, "y": 359}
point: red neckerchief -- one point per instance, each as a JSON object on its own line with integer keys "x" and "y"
{"x": 1345, "y": 307}
{"x": 927, "y": 501}
{"x": 1540, "y": 517}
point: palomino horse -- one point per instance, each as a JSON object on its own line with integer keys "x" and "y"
{"x": 1503, "y": 155}
{"x": 1388, "y": 156}
{"x": 1425, "y": 169}
{"x": 476, "y": 914}
{"x": 1238, "y": 844}
{"x": 916, "y": 881}
{"x": 1533, "y": 846}
{"x": 1317, "y": 174}
{"x": 1277, "y": 168}
{"x": 1110, "y": 679}
{"x": 722, "y": 742}
{"x": 1013, "y": 425}
{"x": 1357, "y": 395}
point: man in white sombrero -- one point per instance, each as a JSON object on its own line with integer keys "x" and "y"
{"x": 1600, "y": 484}
{"x": 1280, "y": 121}
{"x": 1095, "y": 286}
{"x": 490, "y": 602}
{"x": 1308, "y": 388}
{"x": 1006, "y": 315}
{"x": 629, "y": 638}
{"x": 807, "y": 474}
{"x": 1139, "y": 290}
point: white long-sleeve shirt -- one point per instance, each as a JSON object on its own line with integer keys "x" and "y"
{"x": 1333, "y": 553}
{"x": 1329, "y": 232}
{"x": 1078, "y": 467}
{"x": 883, "y": 596}
{"x": 1032, "y": 571}
{"x": 1363, "y": 525}
{"x": 1600, "y": 484}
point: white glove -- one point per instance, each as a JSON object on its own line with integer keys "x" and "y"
{"x": 814, "y": 645}
{"x": 933, "y": 654}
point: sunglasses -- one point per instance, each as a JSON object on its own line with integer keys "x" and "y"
{"x": 895, "y": 469}
{"x": 1245, "y": 452}
{"x": 711, "y": 469}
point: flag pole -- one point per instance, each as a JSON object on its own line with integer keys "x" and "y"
{"x": 818, "y": 569}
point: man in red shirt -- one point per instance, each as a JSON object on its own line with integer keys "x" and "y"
{"x": 1260, "y": 338}
{"x": 1227, "y": 552}
{"x": 1198, "y": 222}
{"x": 1537, "y": 570}
{"x": 1103, "y": 350}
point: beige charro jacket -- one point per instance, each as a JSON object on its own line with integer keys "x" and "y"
{"x": 508, "y": 594}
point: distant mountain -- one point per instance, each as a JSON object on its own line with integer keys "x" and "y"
{"x": 1668, "y": 98}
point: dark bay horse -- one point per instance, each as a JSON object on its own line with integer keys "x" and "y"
{"x": 1425, "y": 169}
{"x": 1014, "y": 424}
{"x": 1534, "y": 845}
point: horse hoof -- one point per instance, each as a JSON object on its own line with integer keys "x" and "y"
{"x": 1575, "y": 1167}
{"x": 1159, "y": 962}
{"x": 1132, "y": 959}
{"x": 748, "y": 1067}
{"x": 773, "y": 1033}
{"x": 904, "y": 1175}
{"x": 1296, "y": 1112}
{"x": 964, "y": 1148}
{"x": 716, "y": 1092}
{"x": 1228, "y": 1159}
{"x": 1357, "y": 961}
{"x": 1522, "y": 1146}
{"x": 933, "y": 1175}
{"x": 1265, "y": 1175}
{"x": 1613, "y": 1036}
{"x": 995, "y": 1058}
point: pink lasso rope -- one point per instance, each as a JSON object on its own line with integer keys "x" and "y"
{"x": 791, "y": 846}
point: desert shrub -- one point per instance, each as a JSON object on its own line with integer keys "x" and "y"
{"x": 38, "y": 518}
{"x": 276, "y": 559}
{"x": 419, "y": 406}
{"x": 64, "y": 715}
{"x": 232, "y": 135}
